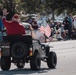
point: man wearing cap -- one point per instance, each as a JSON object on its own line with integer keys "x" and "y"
{"x": 13, "y": 27}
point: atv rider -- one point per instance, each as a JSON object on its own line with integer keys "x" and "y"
{"x": 13, "y": 27}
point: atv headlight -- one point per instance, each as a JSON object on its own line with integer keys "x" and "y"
{"x": 43, "y": 47}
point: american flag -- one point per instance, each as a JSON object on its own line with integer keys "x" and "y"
{"x": 45, "y": 28}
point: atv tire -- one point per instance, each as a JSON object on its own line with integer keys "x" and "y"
{"x": 52, "y": 60}
{"x": 5, "y": 62}
{"x": 19, "y": 49}
{"x": 35, "y": 62}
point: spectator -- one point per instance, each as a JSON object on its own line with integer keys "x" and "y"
{"x": 34, "y": 25}
{"x": 70, "y": 19}
{"x": 29, "y": 20}
{"x": 61, "y": 28}
{"x": 58, "y": 25}
{"x": 73, "y": 34}
{"x": 67, "y": 34}
{"x": 52, "y": 32}
{"x": 64, "y": 35}
{"x": 66, "y": 23}
{"x": 51, "y": 24}
{"x": 58, "y": 35}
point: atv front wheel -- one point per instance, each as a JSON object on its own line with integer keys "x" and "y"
{"x": 35, "y": 62}
{"x": 52, "y": 60}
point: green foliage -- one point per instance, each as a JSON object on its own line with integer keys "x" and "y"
{"x": 60, "y": 5}
{"x": 39, "y": 6}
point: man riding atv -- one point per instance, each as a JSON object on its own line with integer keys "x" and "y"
{"x": 12, "y": 27}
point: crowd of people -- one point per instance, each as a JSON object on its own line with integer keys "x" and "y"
{"x": 65, "y": 30}
{"x": 62, "y": 31}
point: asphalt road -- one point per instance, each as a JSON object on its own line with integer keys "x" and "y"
{"x": 66, "y": 65}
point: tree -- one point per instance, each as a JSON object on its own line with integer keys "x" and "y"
{"x": 38, "y": 6}
{"x": 33, "y": 6}
{"x": 9, "y": 4}
{"x": 60, "y": 5}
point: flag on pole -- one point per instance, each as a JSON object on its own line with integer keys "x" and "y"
{"x": 45, "y": 28}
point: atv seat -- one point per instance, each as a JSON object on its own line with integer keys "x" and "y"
{"x": 18, "y": 38}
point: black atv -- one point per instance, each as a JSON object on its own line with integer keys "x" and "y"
{"x": 19, "y": 50}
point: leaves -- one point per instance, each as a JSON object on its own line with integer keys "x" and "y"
{"x": 61, "y": 5}
{"x": 39, "y": 6}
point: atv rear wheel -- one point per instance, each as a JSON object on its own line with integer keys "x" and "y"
{"x": 5, "y": 62}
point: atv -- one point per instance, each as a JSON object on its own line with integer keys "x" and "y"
{"x": 21, "y": 49}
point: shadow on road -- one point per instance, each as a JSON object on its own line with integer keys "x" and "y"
{"x": 24, "y": 71}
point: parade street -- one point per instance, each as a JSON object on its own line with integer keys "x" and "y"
{"x": 66, "y": 61}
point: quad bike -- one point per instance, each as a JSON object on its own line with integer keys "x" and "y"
{"x": 20, "y": 49}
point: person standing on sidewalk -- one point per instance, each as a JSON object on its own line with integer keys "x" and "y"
{"x": 70, "y": 19}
